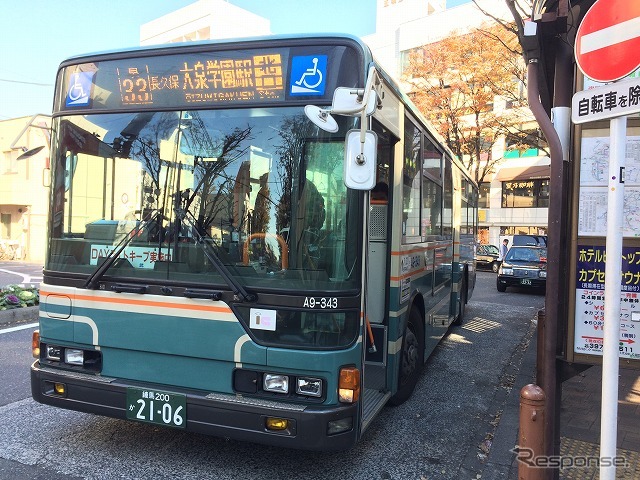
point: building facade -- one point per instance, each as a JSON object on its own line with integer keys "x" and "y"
{"x": 514, "y": 198}
{"x": 24, "y": 182}
{"x": 204, "y": 20}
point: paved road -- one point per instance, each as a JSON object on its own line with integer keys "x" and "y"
{"x": 20, "y": 273}
{"x": 442, "y": 432}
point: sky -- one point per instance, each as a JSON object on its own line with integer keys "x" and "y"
{"x": 36, "y": 35}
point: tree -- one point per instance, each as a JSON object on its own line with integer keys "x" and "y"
{"x": 455, "y": 84}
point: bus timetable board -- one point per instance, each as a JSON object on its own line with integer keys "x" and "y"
{"x": 591, "y": 176}
{"x": 206, "y": 78}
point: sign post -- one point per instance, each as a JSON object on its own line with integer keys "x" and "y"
{"x": 607, "y": 49}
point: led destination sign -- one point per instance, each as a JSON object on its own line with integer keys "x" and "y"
{"x": 194, "y": 77}
{"x": 256, "y": 78}
{"x": 170, "y": 81}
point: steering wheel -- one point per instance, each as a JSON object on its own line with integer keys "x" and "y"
{"x": 281, "y": 242}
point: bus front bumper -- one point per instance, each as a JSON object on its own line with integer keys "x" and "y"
{"x": 221, "y": 415}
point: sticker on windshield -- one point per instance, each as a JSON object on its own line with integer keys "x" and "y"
{"x": 308, "y": 75}
{"x": 261, "y": 319}
{"x": 79, "y": 89}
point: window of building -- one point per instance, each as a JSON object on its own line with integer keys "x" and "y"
{"x": 523, "y": 230}
{"x": 525, "y": 194}
{"x": 9, "y": 164}
{"x": 484, "y": 192}
{"x": 524, "y": 144}
{"x": 5, "y": 226}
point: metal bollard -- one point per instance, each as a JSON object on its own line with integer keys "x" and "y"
{"x": 531, "y": 438}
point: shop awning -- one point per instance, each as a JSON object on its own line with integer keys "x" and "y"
{"x": 523, "y": 173}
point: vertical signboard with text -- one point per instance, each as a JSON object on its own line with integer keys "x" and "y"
{"x": 607, "y": 135}
{"x": 589, "y": 318}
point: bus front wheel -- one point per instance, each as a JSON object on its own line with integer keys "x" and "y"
{"x": 412, "y": 360}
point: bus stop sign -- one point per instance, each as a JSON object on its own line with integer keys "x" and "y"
{"x": 607, "y": 45}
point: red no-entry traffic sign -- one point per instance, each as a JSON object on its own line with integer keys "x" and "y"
{"x": 607, "y": 44}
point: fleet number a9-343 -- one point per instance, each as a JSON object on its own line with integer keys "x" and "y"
{"x": 320, "y": 302}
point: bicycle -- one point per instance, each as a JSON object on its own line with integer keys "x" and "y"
{"x": 7, "y": 251}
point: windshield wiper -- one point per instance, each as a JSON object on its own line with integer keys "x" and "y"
{"x": 239, "y": 291}
{"x": 112, "y": 256}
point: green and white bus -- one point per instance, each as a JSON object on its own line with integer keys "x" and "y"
{"x": 255, "y": 239}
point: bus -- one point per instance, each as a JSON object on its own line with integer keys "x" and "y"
{"x": 255, "y": 239}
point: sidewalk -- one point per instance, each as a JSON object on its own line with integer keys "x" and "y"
{"x": 579, "y": 422}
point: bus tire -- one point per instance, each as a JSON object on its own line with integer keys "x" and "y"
{"x": 462, "y": 303}
{"x": 412, "y": 360}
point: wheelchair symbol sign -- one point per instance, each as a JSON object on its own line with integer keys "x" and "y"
{"x": 79, "y": 89}
{"x": 308, "y": 75}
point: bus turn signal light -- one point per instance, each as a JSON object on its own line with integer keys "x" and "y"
{"x": 349, "y": 385}
{"x": 35, "y": 344}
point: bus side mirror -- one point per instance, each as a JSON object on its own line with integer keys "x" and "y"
{"x": 360, "y": 159}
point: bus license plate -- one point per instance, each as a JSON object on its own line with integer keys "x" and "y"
{"x": 154, "y": 406}
{"x": 525, "y": 281}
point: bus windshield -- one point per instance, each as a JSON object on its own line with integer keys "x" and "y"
{"x": 261, "y": 189}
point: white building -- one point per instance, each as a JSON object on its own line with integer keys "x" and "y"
{"x": 204, "y": 20}
{"x": 24, "y": 185}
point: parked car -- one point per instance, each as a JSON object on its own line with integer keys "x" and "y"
{"x": 529, "y": 240}
{"x": 488, "y": 256}
{"x": 523, "y": 266}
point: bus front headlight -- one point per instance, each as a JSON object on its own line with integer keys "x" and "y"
{"x": 309, "y": 386}
{"x": 275, "y": 383}
{"x": 73, "y": 356}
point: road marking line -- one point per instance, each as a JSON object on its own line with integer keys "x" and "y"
{"x": 25, "y": 278}
{"x": 19, "y": 327}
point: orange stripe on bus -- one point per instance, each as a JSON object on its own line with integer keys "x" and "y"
{"x": 411, "y": 274}
{"x": 144, "y": 303}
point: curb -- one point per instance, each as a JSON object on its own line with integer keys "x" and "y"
{"x": 19, "y": 315}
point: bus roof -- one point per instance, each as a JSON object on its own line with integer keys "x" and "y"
{"x": 237, "y": 42}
